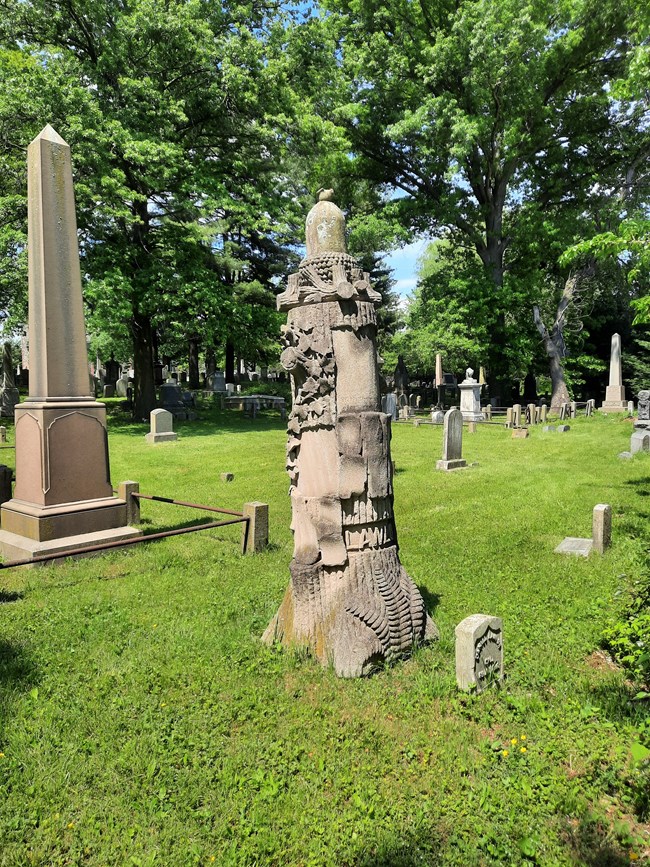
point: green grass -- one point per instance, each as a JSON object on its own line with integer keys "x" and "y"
{"x": 143, "y": 722}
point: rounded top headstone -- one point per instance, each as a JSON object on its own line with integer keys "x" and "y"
{"x": 325, "y": 226}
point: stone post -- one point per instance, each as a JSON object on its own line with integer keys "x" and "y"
{"x": 509, "y": 417}
{"x": 125, "y": 491}
{"x": 530, "y": 413}
{"x": 543, "y": 413}
{"x": 257, "y": 537}
{"x": 63, "y": 496}
{"x": 516, "y": 415}
{"x": 602, "y": 527}
{"x": 3, "y": 434}
{"x": 573, "y": 409}
{"x": 615, "y": 392}
{"x": 349, "y": 600}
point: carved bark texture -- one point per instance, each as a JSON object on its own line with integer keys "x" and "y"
{"x": 349, "y": 599}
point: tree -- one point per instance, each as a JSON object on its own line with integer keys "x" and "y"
{"x": 169, "y": 116}
{"x": 459, "y": 107}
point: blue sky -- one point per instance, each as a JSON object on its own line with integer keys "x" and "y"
{"x": 404, "y": 262}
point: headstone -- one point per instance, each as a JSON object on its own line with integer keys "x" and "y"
{"x": 470, "y": 397}
{"x": 509, "y": 417}
{"x": 549, "y": 428}
{"x": 640, "y": 441}
{"x": 401, "y": 376}
{"x": 112, "y": 369}
{"x": 564, "y": 411}
{"x": 481, "y": 376}
{"x": 230, "y": 388}
{"x": 471, "y": 427}
{"x": 437, "y": 416}
{"x": 479, "y": 652}
{"x": 543, "y": 415}
{"x": 530, "y": 413}
{"x": 615, "y": 392}
{"x": 346, "y": 577}
{"x": 516, "y": 415}
{"x": 255, "y": 535}
{"x": 452, "y": 442}
{"x": 602, "y": 527}
{"x": 389, "y": 405}
{"x": 487, "y": 412}
{"x": 227, "y": 477}
{"x": 538, "y": 414}
{"x": 171, "y": 398}
{"x": 643, "y": 409}
{"x": 162, "y": 427}
{"x": 573, "y": 409}
{"x": 219, "y": 382}
{"x": 601, "y": 535}
{"x": 3, "y": 434}
{"x": 63, "y": 498}
{"x": 588, "y": 409}
{"x": 109, "y": 391}
{"x": 122, "y": 386}
{"x": 563, "y": 428}
{"x": 630, "y": 407}
{"x": 520, "y": 433}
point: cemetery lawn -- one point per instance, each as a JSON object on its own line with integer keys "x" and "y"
{"x": 142, "y": 721}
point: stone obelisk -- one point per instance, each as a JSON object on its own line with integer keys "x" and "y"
{"x": 615, "y": 392}
{"x": 349, "y": 600}
{"x": 63, "y": 497}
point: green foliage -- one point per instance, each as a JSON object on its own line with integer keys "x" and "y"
{"x": 628, "y": 635}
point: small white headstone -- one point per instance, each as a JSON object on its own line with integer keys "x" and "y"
{"x": 479, "y": 651}
{"x": 162, "y": 427}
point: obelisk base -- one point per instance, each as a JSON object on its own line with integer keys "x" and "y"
{"x": 15, "y": 547}
{"x": 614, "y": 399}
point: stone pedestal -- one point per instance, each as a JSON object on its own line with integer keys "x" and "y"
{"x": 470, "y": 401}
{"x": 63, "y": 497}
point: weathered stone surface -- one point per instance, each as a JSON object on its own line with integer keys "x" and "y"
{"x": 520, "y": 433}
{"x": 470, "y": 399}
{"x": 227, "y": 477}
{"x": 575, "y": 546}
{"x": 643, "y": 407}
{"x": 349, "y": 600}
{"x": 602, "y": 527}
{"x": 479, "y": 652}
{"x": 255, "y": 537}
{"x": 9, "y": 395}
{"x": 563, "y": 428}
{"x": 63, "y": 487}
{"x": 640, "y": 441}
{"x": 452, "y": 442}
{"x": 549, "y": 428}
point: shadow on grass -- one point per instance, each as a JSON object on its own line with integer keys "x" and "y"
{"x": 592, "y": 846}
{"x": 10, "y": 596}
{"x": 211, "y": 421}
{"x": 616, "y": 702}
{"x": 431, "y": 600}
{"x": 17, "y": 673}
{"x": 410, "y": 851}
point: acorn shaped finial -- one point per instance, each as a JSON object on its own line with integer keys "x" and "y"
{"x": 325, "y": 226}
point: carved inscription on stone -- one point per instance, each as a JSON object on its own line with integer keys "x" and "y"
{"x": 479, "y": 652}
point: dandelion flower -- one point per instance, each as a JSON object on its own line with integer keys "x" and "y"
{"x": 163, "y": 704}
{"x": 70, "y": 824}
{"x": 2, "y": 755}
{"x": 634, "y": 856}
{"x": 522, "y": 750}
{"x": 513, "y": 741}
{"x": 522, "y": 737}
{"x": 504, "y": 752}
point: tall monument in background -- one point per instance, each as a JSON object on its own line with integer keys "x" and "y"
{"x": 349, "y": 600}
{"x": 63, "y": 497}
{"x": 615, "y": 392}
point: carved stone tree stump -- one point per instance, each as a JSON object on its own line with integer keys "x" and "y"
{"x": 349, "y": 600}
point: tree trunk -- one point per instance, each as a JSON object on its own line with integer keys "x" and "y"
{"x": 144, "y": 389}
{"x": 193, "y": 363}
{"x": 210, "y": 366}
{"x": 554, "y": 349}
{"x": 230, "y": 362}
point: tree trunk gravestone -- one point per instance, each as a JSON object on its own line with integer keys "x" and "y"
{"x": 349, "y": 600}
